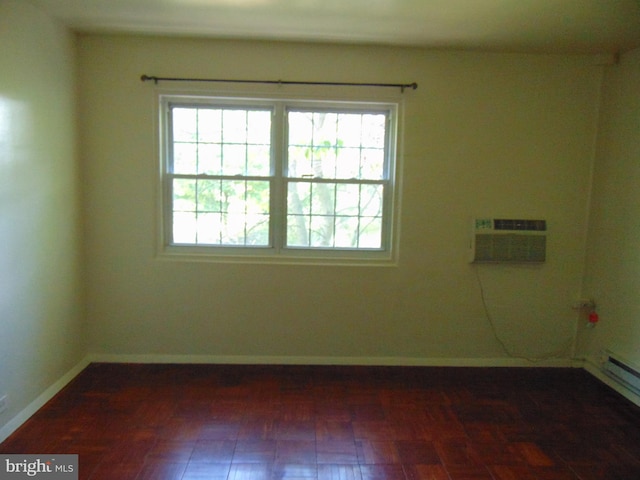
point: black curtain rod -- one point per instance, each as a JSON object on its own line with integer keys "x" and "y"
{"x": 401, "y": 86}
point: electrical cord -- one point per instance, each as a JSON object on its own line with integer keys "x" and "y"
{"x": 501, "y": 342}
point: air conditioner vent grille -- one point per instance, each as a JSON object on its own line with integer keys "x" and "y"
{"x": 502, "y": 240}
{"x": 528, "y": 225}
{"x": 510, "y": 248}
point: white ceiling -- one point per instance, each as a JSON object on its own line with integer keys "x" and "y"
{"x": 555, "y": 26}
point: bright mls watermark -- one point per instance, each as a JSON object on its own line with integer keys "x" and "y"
{"x": 49, "y": 467}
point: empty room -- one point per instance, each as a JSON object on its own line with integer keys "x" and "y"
{"x": 270, "y": 239}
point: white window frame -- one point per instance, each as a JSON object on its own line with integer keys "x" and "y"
{"x": 277, "y": 252}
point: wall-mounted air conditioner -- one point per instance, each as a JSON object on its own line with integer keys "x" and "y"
{"x": 502, "y": 240}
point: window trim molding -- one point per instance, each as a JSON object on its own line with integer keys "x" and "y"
{"x": 278, "y": 253}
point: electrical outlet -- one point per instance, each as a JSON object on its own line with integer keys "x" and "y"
{"x": 584, "y": 304}
{"x": 3, "y": 403}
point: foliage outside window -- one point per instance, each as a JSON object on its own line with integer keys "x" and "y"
{"x": 278, "y": 178}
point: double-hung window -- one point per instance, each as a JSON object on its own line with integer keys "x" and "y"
{"x": 283, "y": 179}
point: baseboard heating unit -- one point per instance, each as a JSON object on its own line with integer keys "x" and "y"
{"x": 622, "y": 372}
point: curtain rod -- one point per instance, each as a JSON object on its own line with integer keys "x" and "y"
{"x": 401, "y": 86}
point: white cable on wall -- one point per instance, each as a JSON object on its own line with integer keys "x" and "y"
{"x": 503, "y": 345}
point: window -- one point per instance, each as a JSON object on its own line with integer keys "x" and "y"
{"x": 278, "y": 178}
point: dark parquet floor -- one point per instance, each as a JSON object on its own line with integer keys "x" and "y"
{"x": 217, "y": 422}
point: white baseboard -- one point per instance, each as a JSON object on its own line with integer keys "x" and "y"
{"x": 313, "y": 360}
{"x": 591, "y": 366}
{"x": 13, "y": 424}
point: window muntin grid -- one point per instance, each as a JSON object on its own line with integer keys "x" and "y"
{"x": 334, "y": 215}
{"x": 220, "y": 175}
{"x": 221, "y": 141}
{"x": 344, "y": 145}
{"x": 285, "y": 178}
{"x": 340, "y": 163}
{"x": 212, "y": 211}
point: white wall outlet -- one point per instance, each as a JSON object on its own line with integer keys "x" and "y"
{"x": 3, "y": 403}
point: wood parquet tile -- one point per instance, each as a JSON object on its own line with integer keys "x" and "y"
{"x": 223, "y": 422}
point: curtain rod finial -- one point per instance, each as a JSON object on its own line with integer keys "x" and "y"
{"x": 412, "y": 86}
{"x": 146, "y": 78}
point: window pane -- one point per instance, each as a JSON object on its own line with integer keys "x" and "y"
{"x": 323, "y": 197}
{"x": 257, "y": 197}
{"x": 348, "y": 200}
{"x": 209, "y": 228}
{"x": 234, "y": 159}
{"x": 234, "y": 126}
{"x": 346, "y": 228}
{"x": 298, "y": 210}
{"x": 323, "y": 164}
{"x": 324, "y": 128}
{"x": 233, "y": 228}
{"x": 350, "y": 130}
{"x": 185, "y": 158}
{"x": 184, "y": 227}
{"x": 185, "y": 124}
{"x": 299, "y": 162}
{"x": 300, "y": 128}
{"x": 234, "y": 195}
{"x": 371, "y": 200}
{"x": 373, "y": 131}
{"x": 321, "y": 231}
{"x": 209, "y": 125}
{"x": 297, "y": 231}
{"x": 184, "y": 195}
{"x": 370, "y": 233}
{"x": 372, "y": 165}
{"x": 209, "y": 196}
{"x": 209, "y": 158}
{"x": 257, "y": 229}
{"x": 259, "y": 160}
{"x": 348, "y": 163}
{"x": 299, "y": 198}
{"x": 259, "y": 127}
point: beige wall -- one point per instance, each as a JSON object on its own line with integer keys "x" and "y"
{"x": 485, "y": 135}
{"x": 41, "y": 335}
{"x": 613, "y": 262}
